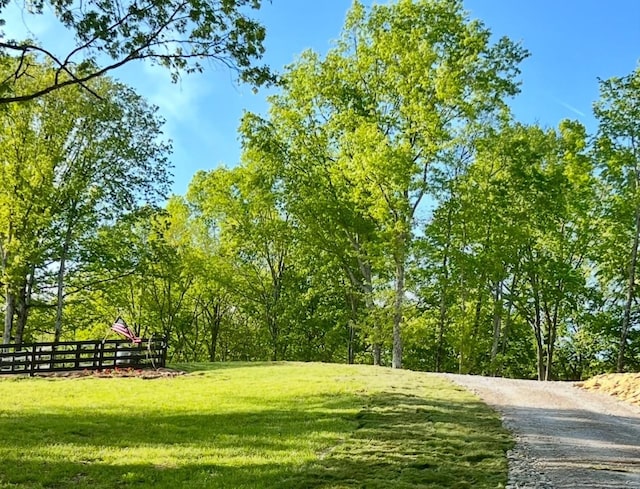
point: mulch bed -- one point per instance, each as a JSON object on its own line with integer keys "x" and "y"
{"x": 118, "y": 372}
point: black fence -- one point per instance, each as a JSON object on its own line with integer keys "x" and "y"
{"x": 64, "y": 356}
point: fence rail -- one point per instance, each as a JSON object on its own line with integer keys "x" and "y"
{"x": 36, "y": 358}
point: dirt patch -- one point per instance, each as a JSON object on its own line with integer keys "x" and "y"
{"x": 625, "y": 387}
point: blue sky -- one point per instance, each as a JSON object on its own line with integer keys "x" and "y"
{"x": 572, "y": 44}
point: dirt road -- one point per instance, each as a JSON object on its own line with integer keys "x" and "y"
{"x": 567, "y": 437}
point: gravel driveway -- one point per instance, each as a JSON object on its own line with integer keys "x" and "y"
{"x": 566, "y": 437}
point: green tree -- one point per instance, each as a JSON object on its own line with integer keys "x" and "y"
{"x": 329, "y": 215}
{"x": 114, "y": 163}
{"x": 26, "y": 184}
{"x": 116, "y": 264}
{"x": 508, "y": 249}
{"x": 401, "y": 84}
{"x": 75, "y": 163}
{"x": 179, "y": 35}
{"x": 618, "y": 155}
{"x": 208, "y": 303}
{"x": 256, "y": 240}
{"x": 530, "y": 209}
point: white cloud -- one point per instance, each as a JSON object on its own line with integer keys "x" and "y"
{"x": 45, "y": 28}
{"x": 572, "y": 108}
{"x": 177, "y": 101}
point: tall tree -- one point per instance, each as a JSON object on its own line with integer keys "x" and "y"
{"x": 78, "y": 163}
{"x": 394, "y": 94}
{"x": 618, "y": 155}
{"x": 255, "y": 238}
{"x": 528, "y": 205}
{"x": 319, "y": 196}
{"x": 26, "y": 186}
{"x": 511, "y": 239}
{"x": 206, "y": 303}
{"x": 115, "y": 164}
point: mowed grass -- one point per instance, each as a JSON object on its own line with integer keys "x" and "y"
{"x": 288, "y": 425}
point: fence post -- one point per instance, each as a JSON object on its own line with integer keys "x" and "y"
{"x": 32, "y": 365}
{"x": 101, "y": 355}
{"x": 76, "y": 364}
{"x": 163, "y": 355}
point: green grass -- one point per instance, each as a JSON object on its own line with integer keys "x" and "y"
{"x": 242, "y": 426}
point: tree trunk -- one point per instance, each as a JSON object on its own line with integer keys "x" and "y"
{"x": 626, "y": 320}
{"x": 464, "y": 326}
{"x": 442, "y": 318}
{"x": 274, "y": 339}
{"x": 477, "y": 317}
{"x": 497, "y": 325}
{"x": 21, "y": 316}
{"x": 467, "y": 359}
{"x": 440, "y": 334}
{"x": 551, "y": 340}
{"x": 351, "y": 327}
{"x": 396, "y": 361}
{"x": 22, "y": 306}
{"x": 367, "y": 290}
{"x": 540, "y": 358}
{"x": 506, "y": 330}
{"x": 195, "y": 324}
{"x": 60, "y": 292}
{"x": 351, "y": 353}
{"x": 377, "y": 354}
{"x": 537, "y": 328}
{"x": 8, "y": 315}
{"x": 215, "y": 321}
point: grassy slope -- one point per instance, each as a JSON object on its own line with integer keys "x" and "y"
{"x": 249, "y": 426}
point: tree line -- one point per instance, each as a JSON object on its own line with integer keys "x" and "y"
{"x": 387, "y": 209}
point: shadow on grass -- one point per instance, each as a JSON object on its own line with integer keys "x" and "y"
{"x": 196, "y": 367}
{"x": 404, "y": 441}
{"x": 394, "y": 441}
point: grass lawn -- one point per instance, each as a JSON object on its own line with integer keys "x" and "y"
{"x": 286, "y": 425}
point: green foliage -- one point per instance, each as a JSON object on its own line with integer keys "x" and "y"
{"x": 514, "y": 229}
{"x": 258, "y": 426}
{"x": 617, "y": 152}
{"x": 72, "y": 166}
{"x": 386, "y": 210}
{"x": 355, "y": 136}
{"x": 173, "y": 34}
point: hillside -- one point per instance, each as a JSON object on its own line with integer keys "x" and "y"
{"x": 287, "y": 425}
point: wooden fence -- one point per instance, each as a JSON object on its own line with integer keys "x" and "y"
{"x": 37, "y": 358}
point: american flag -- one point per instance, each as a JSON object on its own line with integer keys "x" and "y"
{"x": 121, "y": 327}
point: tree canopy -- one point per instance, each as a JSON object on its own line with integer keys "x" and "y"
{"x": 71, "y": 165}
{"x": 178, "y": 35}
{"x": 388, "y": 209}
